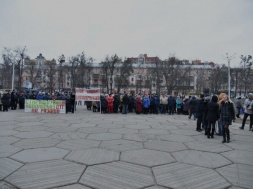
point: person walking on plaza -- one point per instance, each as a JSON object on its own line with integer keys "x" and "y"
{"x": 238, "y": 105}
{"x": 138, "y": 109}
{"x": 212, "y": 115}
{"x": 227, "y": 114}
{"x": 248, "y": 105}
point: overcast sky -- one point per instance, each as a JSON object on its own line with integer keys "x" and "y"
{"x": 190, "y": 29}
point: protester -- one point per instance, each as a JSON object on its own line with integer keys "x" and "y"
{"x": 227, "y": 114}
{"x": 238, "y": 104}
{"x": 212, "y": 115}
{"x": 199, "y": 112}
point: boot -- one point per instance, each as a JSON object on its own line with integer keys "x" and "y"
{"x": 228, "y": 135}
{"x": 207, "y": 132}
{"x": 224, "y": 135}
{"x": 212, "y": 133}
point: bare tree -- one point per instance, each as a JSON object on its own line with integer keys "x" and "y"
{"x": 6, "y": 69}
{"x": 108, "y": 69}
{"x": 50, "y": 77}
{"x": 246, "y": 64}
{"x": 217, "y": 77}
{"x": 31, "y": 70}
{"x": 124, "y": 71}
{"x": 61, "y": 61}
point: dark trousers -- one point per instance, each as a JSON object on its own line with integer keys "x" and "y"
{"x": 124, "y": 109}
{"x": 5, "y": 108}
{"x": 245, "y": 118}
{"x": 210, "y": 128}
{"x": 225, "y": 132}
{"x": 163, "y": 110}
{"x": 199, "y": 122}
{"x": 171, "y": 110}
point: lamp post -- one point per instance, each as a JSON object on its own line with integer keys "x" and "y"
{"x": 229, "y": 58}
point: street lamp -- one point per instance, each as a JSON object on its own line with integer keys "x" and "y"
{"x": 229, "y": 58}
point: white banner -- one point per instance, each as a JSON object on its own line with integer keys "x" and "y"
{"x": 45, "y": 106}
{"x": 83, "y": 95}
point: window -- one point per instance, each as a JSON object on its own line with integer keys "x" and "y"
{"x": 132, "y": 79}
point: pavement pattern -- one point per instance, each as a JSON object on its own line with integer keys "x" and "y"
{"x": 87, "y": 150}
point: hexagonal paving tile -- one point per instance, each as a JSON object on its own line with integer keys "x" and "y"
{"x": 239, "y": 156}
{"x": 238, "y": 174}
{"x": 167, "y": 127}
{"x": 8, "y": 166}
{"x": 139, "y": 126}
{"x": 7, "y": 150}
{"x": 36, "y": 143}
{"x": 207, "y": 146}
{"x": 40, "y": 154}
{"x": 176, "y": 138}
{"x": 242, "y": 138}
{"x": 155, "y": 131}
{"x": 104, "y": 136}
{"x": 121, "y": 145}
{"x": 147, "y": 157}
{"x": 186, "y": 132}
{"x": 165, "y": 146}
{"x": 74, "y": 186}
{"x": 69, "y": 136}
{"x": 182, "y": 176}
{"x": 78, "y": 144}
{"x": 46, "y": 174}
{"x": 205, "y": 159}
{"x": 140, "y": 137}
{"x": 116, "y": 175}
{"x": 93, "y": 156}
{"x": 81, "y": 125}
{"x": 4, "y": 185}
{"x": 61, "y": 129}
{"x": 33, "y": 134}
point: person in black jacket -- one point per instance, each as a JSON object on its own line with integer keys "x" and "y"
{"x": 212, "y": 115}
{"x": 72, "y": 102}
{"x": 125, "y": 102}
{"x": 227, "y": 114}
{"x": 199, "y": 112}
{"x": 6, "y": 102}
{"x": 193, "y": 106}
{"x": 116, "y": 103}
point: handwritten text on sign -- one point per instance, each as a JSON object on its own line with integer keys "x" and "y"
{"x": 45, "y": 106}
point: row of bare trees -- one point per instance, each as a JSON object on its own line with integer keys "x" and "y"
{"x": 169, "y": 75}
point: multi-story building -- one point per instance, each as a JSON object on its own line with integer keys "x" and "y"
{"x": 148, "y": 75}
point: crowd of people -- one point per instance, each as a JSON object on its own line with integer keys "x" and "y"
{"x": 16, "y": 100}
{"x": 207, "y": 111}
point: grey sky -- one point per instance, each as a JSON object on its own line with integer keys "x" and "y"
{"x": 190, "y": 29}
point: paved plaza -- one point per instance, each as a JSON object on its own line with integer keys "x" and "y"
{"x": 89, "y": 150}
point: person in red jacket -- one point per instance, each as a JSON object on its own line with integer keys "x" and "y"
{"x": 110, "y": 100}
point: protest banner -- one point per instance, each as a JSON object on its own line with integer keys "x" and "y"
{"x": 45, "y": 106}
{"x": 83, "y": 95}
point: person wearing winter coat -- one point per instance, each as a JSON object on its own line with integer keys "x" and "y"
{"x": 125, "y": 103}
{"x": 110, "y": 100}
{"x": 6, "y": 102}
{"x": 146, "y": 104}
{"x": 163, "y": 103}
{"x": 227, "y": 114}
{"x": 116, "y": 103}
{"x": 248, "y": 105}
{"x": 72, "y": 102}
{"x": 138, "y": 109}
{"x": 179, "y": 105}
{"x": 212, "y": 115}
{"x": 200, "y": 112}
{"x": 14, "y": 100}
{"x": 193, "y": 107}
{"x": 21, "y": 101}
{"x": 171, "y": 105}
{"x": 103, "y": 104}
{"x": 238, "y": 105}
